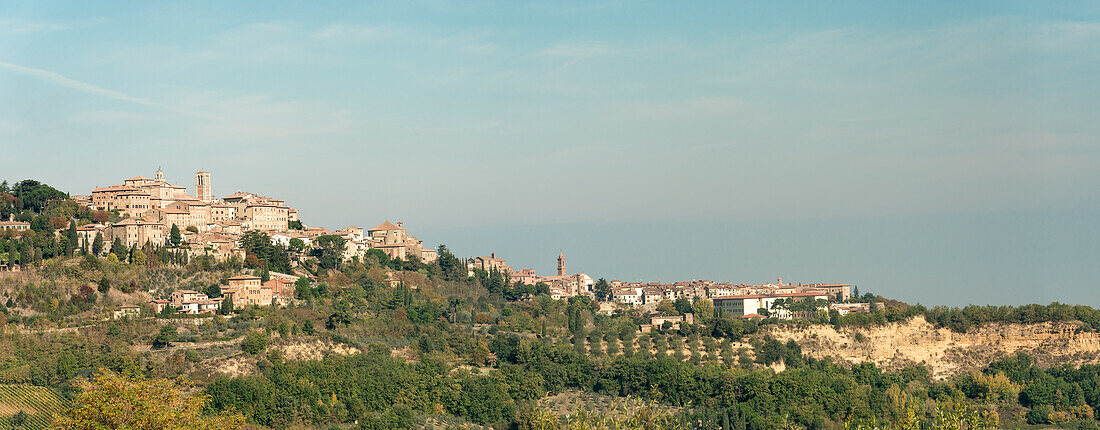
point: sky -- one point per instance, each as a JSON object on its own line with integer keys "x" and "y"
{"x": 940, "y": 152}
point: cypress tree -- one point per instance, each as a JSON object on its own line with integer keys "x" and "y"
{"x": 174, "y": 236}
{"x": 73, "y": 238}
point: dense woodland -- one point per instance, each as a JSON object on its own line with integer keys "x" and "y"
{"x": 403, "y": 344}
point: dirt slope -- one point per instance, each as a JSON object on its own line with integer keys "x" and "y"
{"x": 947, "y": 353}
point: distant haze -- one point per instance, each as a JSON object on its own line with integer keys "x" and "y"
{"x": 941, "y": 152}
{"x": 987, "y": 258}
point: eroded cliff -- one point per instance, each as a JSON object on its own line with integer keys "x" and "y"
{"x": 944, "y": 352}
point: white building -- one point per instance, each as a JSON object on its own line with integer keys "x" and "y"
{"x": 740, "y": 306}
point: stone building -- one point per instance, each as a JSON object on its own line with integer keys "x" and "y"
{"x": 397, "y": 243}
{"x": 132, "y": 232}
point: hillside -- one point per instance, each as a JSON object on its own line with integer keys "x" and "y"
{"x": 945, "y": 352}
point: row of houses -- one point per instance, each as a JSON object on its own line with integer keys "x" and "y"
{"x": 639, "y": 293}
{"x": 242, "y": 291}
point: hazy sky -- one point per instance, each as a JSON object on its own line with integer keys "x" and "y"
{"x": 461, "y": 115}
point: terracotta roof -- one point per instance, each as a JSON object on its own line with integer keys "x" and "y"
{"x": 241, "y": 277}
{"x": 117, "y": 187}
{"x": 385, "y": 226}
{"x": 139, "y": 178}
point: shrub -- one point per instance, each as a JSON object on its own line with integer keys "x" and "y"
{"x": 254, "y": 343}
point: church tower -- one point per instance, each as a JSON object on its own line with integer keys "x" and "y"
{"x": 561, "y": 264}
{"x": 202, "y": 187}
{"x": 160, "y": 175}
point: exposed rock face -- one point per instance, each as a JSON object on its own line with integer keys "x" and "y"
{"x": 944, "y": 352}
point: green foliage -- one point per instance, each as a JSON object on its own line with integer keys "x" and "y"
{"x": 166, "y": 336}
{"x": 98, "y": 244}
{"x": 254, "y": 343}
{"x": 602, "y": 290}
{"x": 259, "y": 245}
{"x": 451, "y": 267}
{"x": 34, "y": 195}
{"x": 329, "y": 250}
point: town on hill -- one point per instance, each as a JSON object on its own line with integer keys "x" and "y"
{"x": 143, "y": 212}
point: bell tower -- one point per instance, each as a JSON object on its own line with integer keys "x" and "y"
{"x": 561, "y": 264}
{"x": 202, "y": 187}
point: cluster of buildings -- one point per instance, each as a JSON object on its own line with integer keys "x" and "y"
{"x": 739, "y": 300}
{"x": 641, "y": 293}
{"x": 243, "y": 290}
{"x": 562, "y": 284}
{"x": 150, "y": 207}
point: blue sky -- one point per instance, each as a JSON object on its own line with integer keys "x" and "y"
{"x": 452, "y": 115}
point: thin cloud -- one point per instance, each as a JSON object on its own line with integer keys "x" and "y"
{"x": 15, "y": 26}
{"x": 58, "y": 79}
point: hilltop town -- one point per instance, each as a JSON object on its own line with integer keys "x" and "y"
{"x": 142, "y": 212}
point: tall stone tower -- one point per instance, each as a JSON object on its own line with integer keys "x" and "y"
{"x": 561, "y": 264}
{"x": 202, "y": 187}
{"x": 160, "y": 175}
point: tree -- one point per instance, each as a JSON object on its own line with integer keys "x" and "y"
{"x": 265, "y": 275}
{"x": 174, "y": 237}
{"x": 100, "y": 216}
{"x": 254, "y": 343}
{"x": 73, "y": 238}
{"x": 118, "y": 249}
{"x": 296, "y": 245}
{"x": 330, "y": 250}
{"x": 35, "y": 196}
{"x": 213, "y": 291}
{"x": 683, "y": 305}
{"x": 138, "y": 258}
{"x": 665, "y": 307}
{"x": 112, "y": 401}
{"x": 104, "y": 285}
{"x": 165, "y": 337}
{"x": 704, "y": 309}
{"x": 603, "y": 290}
{"x": 302, "y": 289}
{"x": 258, "y": 247}
{"x": 226, "y": 308}
{"x": 97, "y": 244}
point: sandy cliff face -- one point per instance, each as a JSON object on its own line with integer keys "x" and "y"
{"x": 947, "y": 353}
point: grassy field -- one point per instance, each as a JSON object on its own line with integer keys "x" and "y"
{"x": 39, "y": 403}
